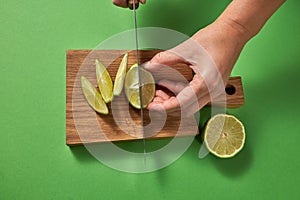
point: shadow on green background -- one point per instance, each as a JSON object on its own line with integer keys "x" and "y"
{"x": 81, "y": 154}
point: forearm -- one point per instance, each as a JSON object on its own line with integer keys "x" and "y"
{"x": 249, "y": 16}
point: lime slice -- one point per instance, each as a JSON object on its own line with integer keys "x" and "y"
{"x": 120, "y": 77}
{"x": 92, "y": 96}
{"x": 132, "y": 87}
{"x": 104, "y": 82}
{"x": 224, "y": 135}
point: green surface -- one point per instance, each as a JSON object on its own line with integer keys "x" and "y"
{"x": 35, "y": 163}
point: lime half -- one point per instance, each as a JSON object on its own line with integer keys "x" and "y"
{"x": 224, "y": 135}
{"x": 104, "y": 81}
{"x": 132, "y": 87}
{"x": 93, "y": 97}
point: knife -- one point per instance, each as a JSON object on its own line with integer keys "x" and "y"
{"x": 132, "y": 4}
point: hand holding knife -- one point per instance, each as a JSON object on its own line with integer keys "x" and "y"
{"x": 128, "y": 3}
{"x": 133, "y": 4}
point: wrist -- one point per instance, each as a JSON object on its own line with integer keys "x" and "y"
{"x": 247, "y": 17}
{"x": 235, "y": 29}
{"x": 223, "y": 41}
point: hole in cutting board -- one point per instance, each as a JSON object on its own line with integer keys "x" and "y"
{"x": 230, "y": 89}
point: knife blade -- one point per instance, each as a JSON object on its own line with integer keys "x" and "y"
{"x": 134, "y": 7}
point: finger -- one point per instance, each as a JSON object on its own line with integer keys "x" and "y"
{"x": 202, "y": 101}
{"x": 120, "y": 3}
{"x": 143, "y": 1}
{"x": 176, "y": 109}
{"x": 187, "y": 95}
{"x": 166, "y": 58}
{"x": 173, "y": 86}
{"x": 158, "y": 100}
{"x": 195, "y": 90}
{"x": 191, "y": 109}
{"x": 161, "y": 94}
{"x": 169, "y": 105}
{"x": 157, "y": 103}
{"x": 194, "y": 96}
{"x": 163, "y": 58}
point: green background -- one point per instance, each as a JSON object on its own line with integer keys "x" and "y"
{"x": 35, "y": 163}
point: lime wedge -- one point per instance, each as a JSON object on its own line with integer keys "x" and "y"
{"x": 120, "y": 77}
{"x": 132, "y": 87}
{"x": 104, "y": 82}
{"x": 224, "y": 135}
{"x": 92, "y": 96}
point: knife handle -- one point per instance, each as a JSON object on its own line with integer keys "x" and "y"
{"x": 131, "y": 2}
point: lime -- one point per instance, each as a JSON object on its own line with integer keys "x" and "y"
{"x": 104, "y": 81}
{"x": 132, "y": 87}
{"x": 224, "y": 135}
{"x": 92, "y": 96}
{"x": 120, "y": 77}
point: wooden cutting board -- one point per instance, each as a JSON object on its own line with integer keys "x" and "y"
{"x": 83, "y": 125}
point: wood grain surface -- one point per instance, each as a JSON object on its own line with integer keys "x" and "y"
{"x": 83, "y": 125}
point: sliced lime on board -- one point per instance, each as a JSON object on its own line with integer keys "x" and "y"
{"x": 92, "y": 96}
